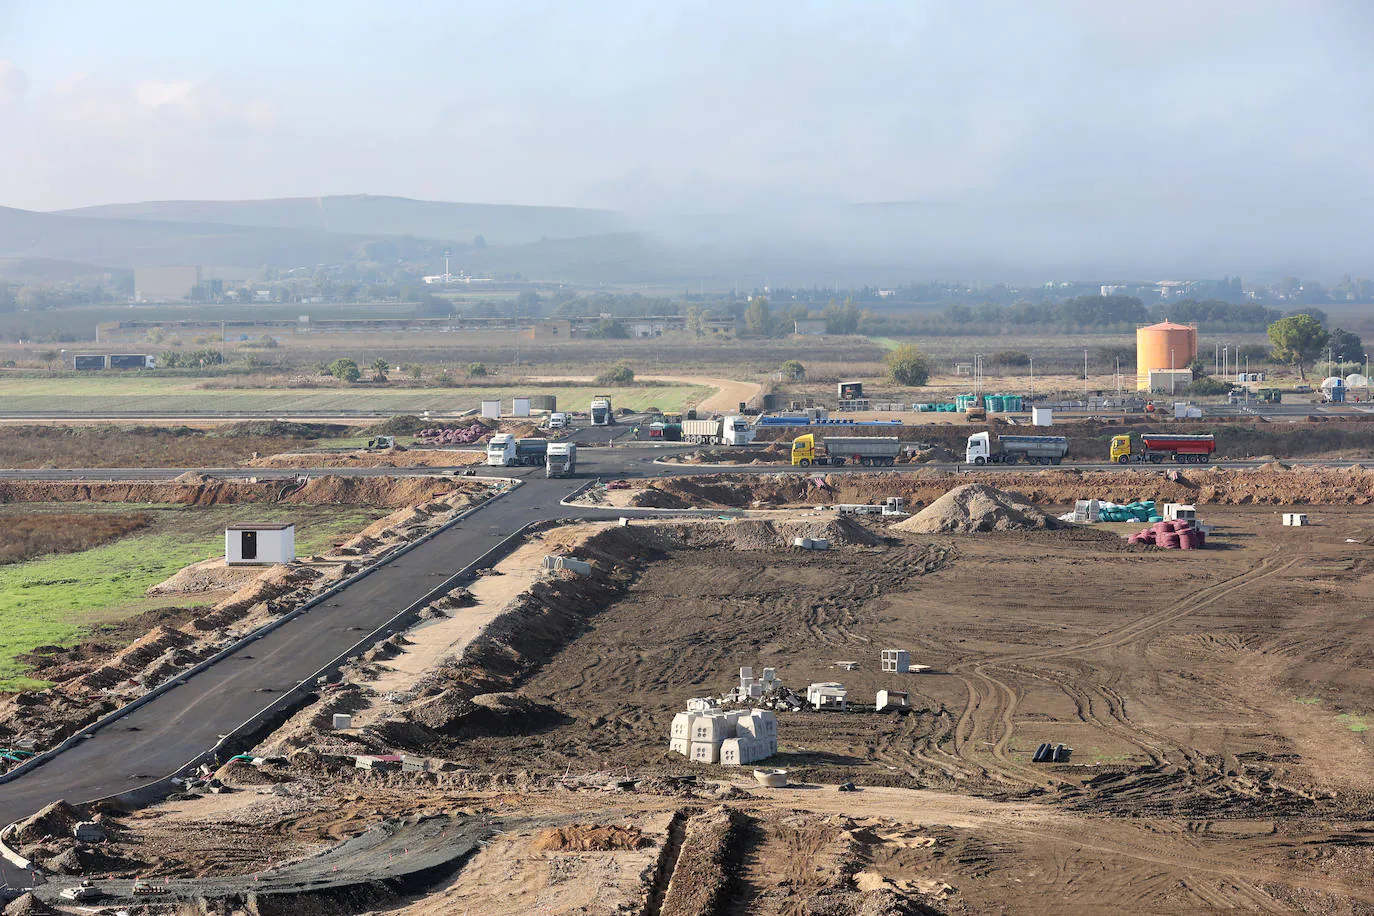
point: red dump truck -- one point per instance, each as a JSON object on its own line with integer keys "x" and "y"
{"x": 1156, "y": 447}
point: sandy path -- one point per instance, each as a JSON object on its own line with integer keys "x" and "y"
{"x": 728, "y": 394}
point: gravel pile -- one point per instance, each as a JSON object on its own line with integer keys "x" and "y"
{"x": 977, "y": 507}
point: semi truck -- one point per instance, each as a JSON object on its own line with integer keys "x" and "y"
{"x": 720, "y": 431}
{"x": 504, "y": 451}
{"x": 561, "y": 460}
{"x": 601, "y": 410}
{"x": 1156, "y": 447}
{"x": 983, "y": 449}
{"x": 833, "y": 451}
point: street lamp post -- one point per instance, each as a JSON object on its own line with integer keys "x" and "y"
{"x": 1173, "y": 375}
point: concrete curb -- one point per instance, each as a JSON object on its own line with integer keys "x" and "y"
{"x": 117, "y": 714}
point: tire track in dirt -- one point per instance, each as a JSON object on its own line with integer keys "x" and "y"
{"x": 991, "y": 704}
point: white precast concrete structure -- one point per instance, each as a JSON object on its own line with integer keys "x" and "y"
{"x": 732, "y": 738}
{"x": 896, "y": 661}
{"x": 259, "y": 545}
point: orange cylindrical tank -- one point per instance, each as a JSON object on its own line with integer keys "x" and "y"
{"x": 1163, "y": 346}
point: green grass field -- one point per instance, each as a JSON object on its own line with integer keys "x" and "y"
{"x": 164, "y": 395}
{"x": 57, "y": 600}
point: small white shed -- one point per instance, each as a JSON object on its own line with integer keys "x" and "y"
{"x": 259, "y": 545}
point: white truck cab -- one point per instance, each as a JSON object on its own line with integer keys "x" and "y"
{"x": 501, "y": 450}
{"x": 979, "y": 448}
{"x": 736, "y": 431}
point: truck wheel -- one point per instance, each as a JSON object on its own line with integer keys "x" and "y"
{"x": 1156, "y": 459}
{"x": 805, "y": 462}
{"x": 980, "y": 460}
{"x": 1056, "y": 460}
{"x": 866, "y": 462}
{"x": 1204, "y": 458}
{"x": 1010, "y": 459}
{"x": 1124, "y": 459}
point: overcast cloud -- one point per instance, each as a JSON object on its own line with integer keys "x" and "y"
{"x": 1241, "y": 111}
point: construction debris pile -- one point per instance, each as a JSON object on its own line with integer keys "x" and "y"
{"x": 977, "y": 507}
{"x": 1087, "y": 511}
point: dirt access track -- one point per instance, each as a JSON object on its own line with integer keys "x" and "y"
{"x": 1215, "y": 702}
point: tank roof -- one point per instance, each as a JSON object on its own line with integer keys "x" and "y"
{"x": 1167, "y": 325}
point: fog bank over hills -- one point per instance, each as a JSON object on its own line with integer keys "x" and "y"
{"x": 792, "y": 241}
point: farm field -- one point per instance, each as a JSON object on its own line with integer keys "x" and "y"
{"x": 56, "y": 599}
{"x": 169, "y": 395}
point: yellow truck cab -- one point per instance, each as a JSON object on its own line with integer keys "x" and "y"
{"x": 1121, "y": 449}
{"x": 804, "y": 450}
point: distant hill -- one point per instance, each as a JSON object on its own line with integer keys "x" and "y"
{"x": 365, "y": 214}
{"x": 129, "y": 243}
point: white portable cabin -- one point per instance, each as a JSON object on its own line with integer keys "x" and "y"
{"x": 1042, "y": 416}
{"x": 491, "y": 410}
{"x": 520, "y": 407}
{"x": 259, "y": 545}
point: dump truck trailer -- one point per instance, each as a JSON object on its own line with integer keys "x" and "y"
{"x": 1158, "y": 447}
{"x": 869, "y": 451}
{"x": 983, "y": 449}
{"x": 722, "y": 431}
{"x": 561, "y": 459}
{"x": 531, "y": 452}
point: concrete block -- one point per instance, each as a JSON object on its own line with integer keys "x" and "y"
{"x": 896, "y": 661}
{"x": 705, "y": 752}
{"x": 680, "y": 746}
{"x": 342, "y": 720}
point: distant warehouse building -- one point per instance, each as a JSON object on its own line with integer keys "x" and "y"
{"x": 809, "y": 327}
{"x": 158, "y": 284}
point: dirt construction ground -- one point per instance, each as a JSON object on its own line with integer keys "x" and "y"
{"x": 1215, "y": 702}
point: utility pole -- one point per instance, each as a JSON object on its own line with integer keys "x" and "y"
{"x": 1173, "y": 375}
{"x": 1085, "y": 376}
{"x": 1032, "y": 377}
{"x": 1216, "y": 358}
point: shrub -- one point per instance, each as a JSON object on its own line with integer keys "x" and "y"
{"x": 908, "y": 366}
{"x": 345, "y": 370}
{"x": 619, "y": 374}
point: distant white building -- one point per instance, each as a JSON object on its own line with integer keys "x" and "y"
{"x": 809, "y": 327}
{"x": 1113, "y": 290}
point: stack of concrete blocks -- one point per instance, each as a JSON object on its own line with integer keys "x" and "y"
{"x": 1294, "y": 519}
{"x": 896, "y": 661}
{"x": 812, "y": 543}
{"x": 734, "y": 738}
{"x": 752, "y": 689}
{"x": 896, "y": 699}
{"x": 756, "y": 738}
{"x": 828, "y": 695}
{"x": 1086, "y": 511}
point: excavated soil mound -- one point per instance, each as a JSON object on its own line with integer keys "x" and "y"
{"x": 243, "y": 773}
{"x": 765, "y": 534}
{"x": 28, "y": 905}
{"x": 207, "y": 576}
{"x": 588, "y": 838}
{"x": 486, "y": 714}
{"x": 54, "y": 821}
{"x": 976, "y": 507}
{"x": 653, "y": 498}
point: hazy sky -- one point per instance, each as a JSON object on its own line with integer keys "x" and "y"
{"x": 678, "y": 106}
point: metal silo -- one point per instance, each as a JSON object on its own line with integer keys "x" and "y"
{"x": 1163, "y": 346}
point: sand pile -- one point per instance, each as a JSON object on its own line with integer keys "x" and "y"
{"x": 28, "y": 905}
{"x": 586, "y": 838}
{"x": 53, "y": 822}
{"x": 205, "y": 576}
{"x": 977, "y": 507}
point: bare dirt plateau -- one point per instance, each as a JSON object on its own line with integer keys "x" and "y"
{"x": 1215, "y": 702}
